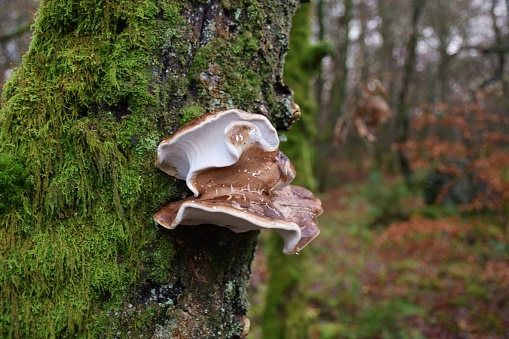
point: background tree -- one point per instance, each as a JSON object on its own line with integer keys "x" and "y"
{"x": 336, "y": 107}
{"x": 458, "y": 48}
{"x": 402, "y": 115}
{"x": 100, "y": 86}
{"x": 285, "y": 314}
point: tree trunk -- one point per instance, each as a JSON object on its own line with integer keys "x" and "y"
{"x": 402, "y": 117}
{"x": 285, "y": 313}
{"x": 338, "y": 98}
{"x": 319, "y": 81}
{"x": 101, "y": 85}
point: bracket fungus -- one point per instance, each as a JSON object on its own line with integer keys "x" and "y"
{"x": 240, "y": 180}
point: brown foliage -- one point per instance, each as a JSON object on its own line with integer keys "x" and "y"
{"x": 417, "y": 227}
{"x": 440, "y": 265}
{"x": 466, "y": 143}
{"x": 497, "y": 272}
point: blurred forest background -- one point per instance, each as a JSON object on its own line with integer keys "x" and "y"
{"x": 405, "y": 135}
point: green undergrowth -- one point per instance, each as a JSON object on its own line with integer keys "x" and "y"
{"x": 387, "y": 200}
{"x": 338, "y": 292}
{"x": 432, "y": 274}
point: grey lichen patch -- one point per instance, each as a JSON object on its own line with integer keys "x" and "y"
{"x": 188, "y": 316}
{"x": 283, "y": 111}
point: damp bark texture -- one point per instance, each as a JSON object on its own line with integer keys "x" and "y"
{"x": 101, "y": 84}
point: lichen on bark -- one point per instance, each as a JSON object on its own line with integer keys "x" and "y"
{"x": 101, "y": 84}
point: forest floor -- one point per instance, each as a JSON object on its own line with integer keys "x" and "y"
{"x": 387, "y": 266}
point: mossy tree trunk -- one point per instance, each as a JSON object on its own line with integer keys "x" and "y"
{"x": 102, "y": 83}
{"x": 285, "y": 314}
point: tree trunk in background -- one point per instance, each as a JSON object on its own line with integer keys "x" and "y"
{"x": 301, "y": 65}
{"x": 386, "y": 74}
{"x": 498, "y": 74}
{"x": 285, "y": 313}
{"x": 100, "y": 86}
{"x": 320, "y": 18}
{"x": 402, "y": 116}
{"x": 441, "y": 15}
{"x": 505, "y": 81}
{"x": 364, "y": 16}
{"x": 338, "y": 98}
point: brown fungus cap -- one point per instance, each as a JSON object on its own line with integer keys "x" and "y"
{"x": 231, "y": 162}
{"x": 300, "y": 206}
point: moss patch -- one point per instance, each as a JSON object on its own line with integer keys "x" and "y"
{"x": 301, "y": 65}
{"x": 75, "y": 113}
{"x": 101, "y": 85}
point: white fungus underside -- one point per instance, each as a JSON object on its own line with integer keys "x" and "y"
{"x": 238, "y": 221}
{"x": 204, "y": 146}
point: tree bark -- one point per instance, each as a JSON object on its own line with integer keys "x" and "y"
{"x": 338, "y": 98}
{"x": 101, "y": 85}
{"x": 319, "y": 81}
{"x": 402, "y": 117}
{"x": 499, "y": 41}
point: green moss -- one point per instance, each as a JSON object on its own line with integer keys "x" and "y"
{"x": 74, "y": 112}
{"x": 190, "y": 113}
{"x": 159, "y": 259}
{"x": 301, "y": 65}
{"x": 235, "y": 83}
{"x": 101, "y": 85}
{"x": 15, "y": 182}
